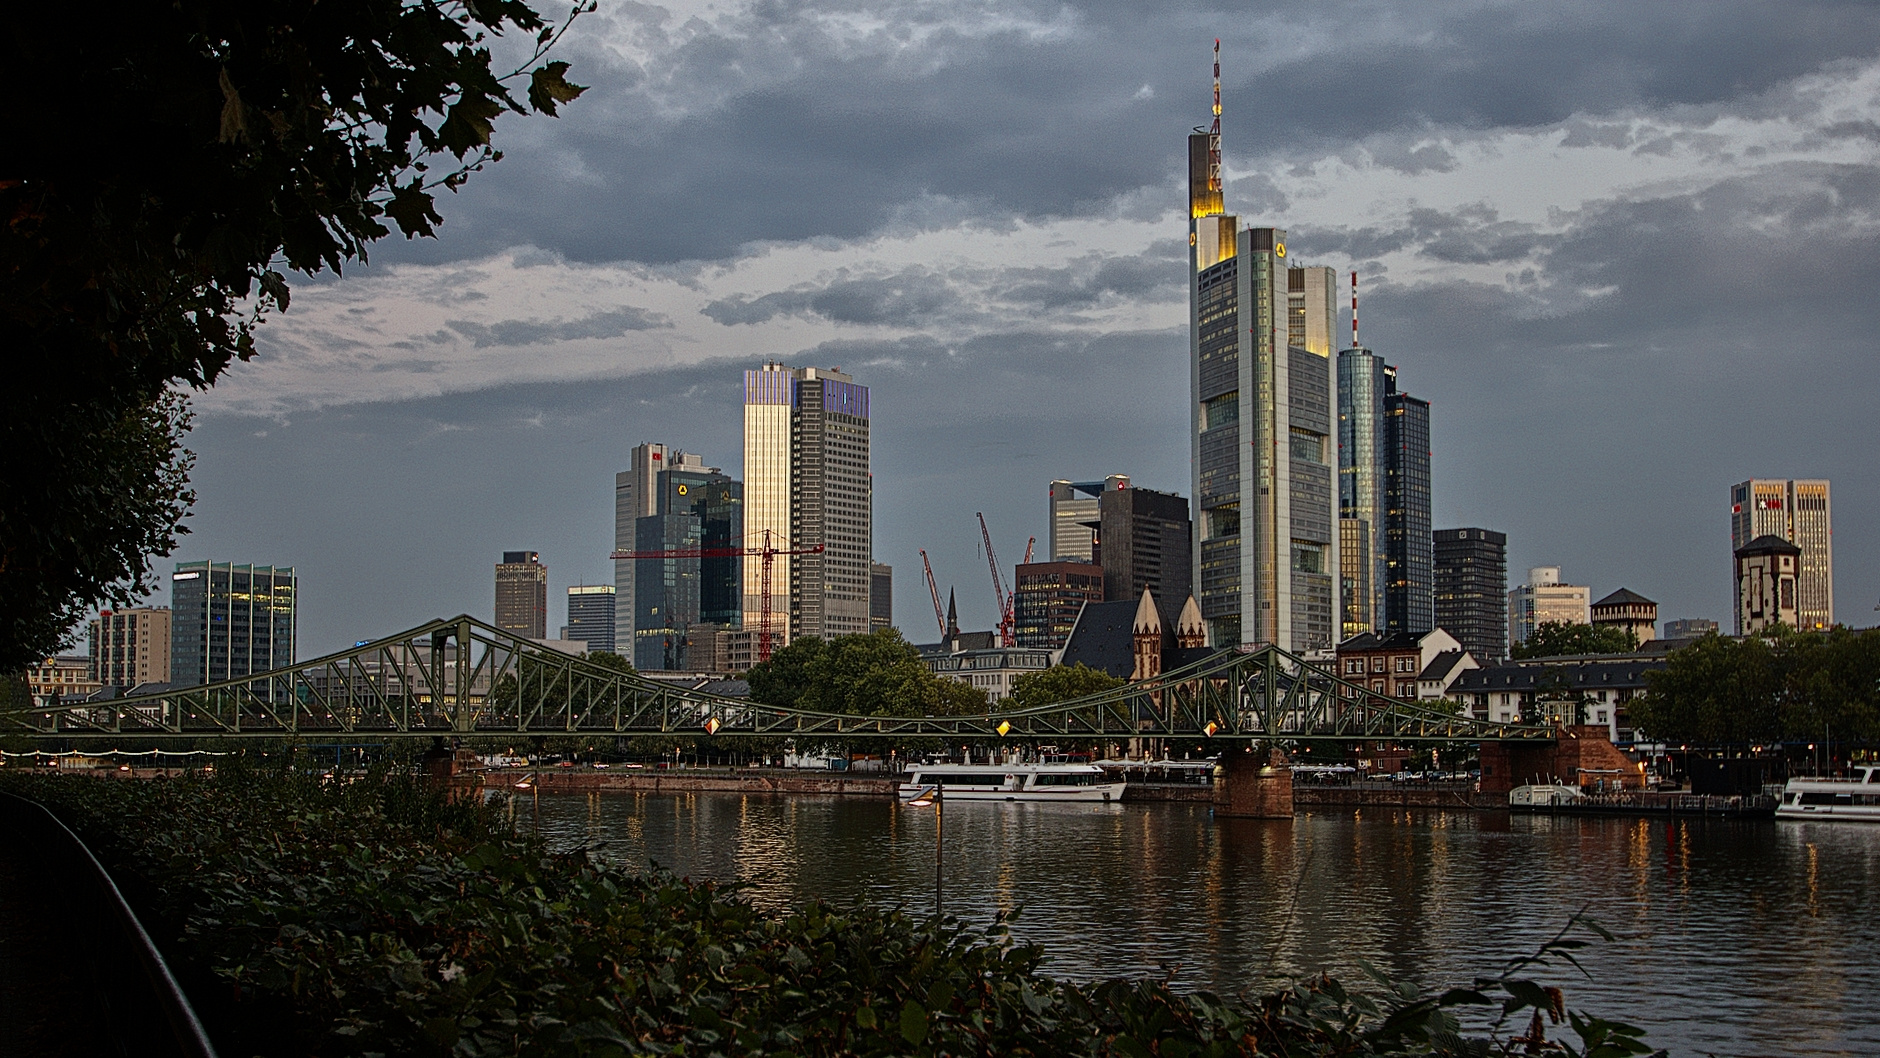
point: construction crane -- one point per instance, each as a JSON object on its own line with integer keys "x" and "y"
{"x": 767, "y": 553}
{"x": 939, "y": 615}
{"x": 1000, "y": 594}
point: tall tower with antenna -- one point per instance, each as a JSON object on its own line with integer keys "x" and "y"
{"x": 1261, "y": 333}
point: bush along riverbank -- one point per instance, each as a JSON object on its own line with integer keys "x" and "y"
{"x": 375, "y": 918}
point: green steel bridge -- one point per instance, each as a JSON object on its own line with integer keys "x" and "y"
{"x": 460, "y": 677}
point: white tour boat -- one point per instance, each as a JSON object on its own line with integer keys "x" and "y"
{"x": 1848, "y": 797}
{"x": 1543, "y": 795}
{"x": 1012, "y": 782}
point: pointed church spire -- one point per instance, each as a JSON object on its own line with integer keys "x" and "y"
{"x": 1148, "y": 621}
{"x": 953, "y": 616}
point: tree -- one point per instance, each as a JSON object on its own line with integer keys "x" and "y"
{"x": 1059, "y": 683}
{"x": 1560, "y": 639}
{"x": 1783, "y": 684}
{"x": 174, "y": 160}
{"x": 873, "y": 674}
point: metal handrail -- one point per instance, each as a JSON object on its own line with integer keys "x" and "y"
{"x": 185, "y": 1026}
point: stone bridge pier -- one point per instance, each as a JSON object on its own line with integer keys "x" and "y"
{"x": 1254, "y": 784}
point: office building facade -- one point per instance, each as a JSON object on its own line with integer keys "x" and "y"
{"x": 1543, "y": 600}
{"x": 1690, "y": 628}
{"x": 1363, "y": 380}
{"x": 1408, "y": 587}
{"x": 1073, "y": 516}
{"x": 1357, "y": 608}
{"x": 1469, "y": 573}
{"x": 880, "y": 596}
{"x": 1796, "y": 511}
{"x": 1266, "y": 524}
{"x": 1046, "y": 598}
{"x": 699, "y": 519}
{"x": 129, "y": 647}
{"x": 807, "y": 482}
{"x": 1144, "y": 544}
{"x": 591, "y": 616}
{"x": 522, "y": 595}
{"x": 229, "y": 620}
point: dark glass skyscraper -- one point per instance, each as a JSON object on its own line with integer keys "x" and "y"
{"x": 698, "y": 509}
{"x": 1469, "y": 571}
{"x": 1408, "y": 602}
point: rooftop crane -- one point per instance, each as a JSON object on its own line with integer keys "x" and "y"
{"x": 767, "y": 552}
{"x": 933, "y": 589}
{"x": 1000, "y": 594}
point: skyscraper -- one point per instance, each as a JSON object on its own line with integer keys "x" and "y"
{"x": 231, "y": 619}
{"x": 1796, "y": 511}
{"x": 1073, "y": 516}
{"x": 1266, "y": 554}
{"x": 1543, "y": 600}
{"x": 1048, "y": 596}
{"x": 591, "y": 616}
{"x": 522, "y": 595}
{"x": 697, "y": 508}
{"x": 1470, "y": 573}
{"x": 880, "y": 596}
{"x": 635, "y": 497}
{"x": 129, "y": 647}
{"x": 1145, "y": 545}
{"x": 1407, "y": 585}
{"x": 807, "y": 481}
{"x": 1363, "y": 380}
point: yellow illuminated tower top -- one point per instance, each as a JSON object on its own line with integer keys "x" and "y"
{"x": 1210, "y": 229}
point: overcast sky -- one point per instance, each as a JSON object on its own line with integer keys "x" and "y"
{"x": 1627, "y": 250}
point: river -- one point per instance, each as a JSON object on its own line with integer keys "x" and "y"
{"x": 1732, "y": 937}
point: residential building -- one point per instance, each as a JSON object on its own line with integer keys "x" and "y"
{"x": 690, "y": 572}
{"x": 1595, "y": 687}
{"x": 1144, "y": 544}
{"x": 808, "y": 483}
{"x": 229, "y": 620}
{"x": 1074, "y": 518}
{"x": 1690, "y": 628}
{"x": 1768, "y": 575}
{"x": 1629, "y": 610}
{"x": 1543, "y": 599}
{"x": 880, "y": 596}
{"x": 1469, "y": 575}
{"x": 992, "y": 670}
{"x": 1391, "y": 663}
{"x": 1047, "y": 597}
{"x": 1796, "y": 511}
{"x": 522, "y": 594}
{"x": 1408, "y": 588}
{"x": 591, "y": 616}
{"x": 64, "y": 676}
{"x": 129, "y": 647}
{"x": 1439, "y": 677}
{"x": 1266, "y": 542}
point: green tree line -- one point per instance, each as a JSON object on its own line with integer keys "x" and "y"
{"x": 1786, "y": 685}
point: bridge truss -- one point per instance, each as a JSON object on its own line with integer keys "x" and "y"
{"x": 460, "y": 677}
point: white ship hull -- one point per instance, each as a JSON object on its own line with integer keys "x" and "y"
{"x": 1012, "y": 782}
{"x": 1854, "y": 799}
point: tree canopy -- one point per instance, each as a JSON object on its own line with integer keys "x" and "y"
{"x": 877, "y": 674}
{"x": 1786, "y": 685}
{"x": 166, "y": 165}
{"x": 1059, "y": 683}
{"x": 1560, "y": 638}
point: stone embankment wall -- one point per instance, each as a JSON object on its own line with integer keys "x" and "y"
{"x": 1394, "y": 795}
{"x": 634, "y": 780}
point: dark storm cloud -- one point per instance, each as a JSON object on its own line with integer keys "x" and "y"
{"x": 1154, "y": 274}
{"x": 778, "y": 129}
{"x": 913, "y": 297}
{"x": 610, "y": 324}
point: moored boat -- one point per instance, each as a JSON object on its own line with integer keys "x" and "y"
{"x": 1852, "y": 797}
{"x": 1543, "y": 795}
{"x": 1012, "y": 782}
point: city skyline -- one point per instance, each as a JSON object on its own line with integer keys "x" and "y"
{"x": 1018, "y": 312}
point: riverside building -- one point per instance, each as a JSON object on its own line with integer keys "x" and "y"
{"x": 1266, "y": 526}
{"x": 1796, "y": 511}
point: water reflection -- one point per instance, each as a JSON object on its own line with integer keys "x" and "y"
{"x": 1733, "y": 937}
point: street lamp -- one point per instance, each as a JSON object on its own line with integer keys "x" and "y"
{"x": 931, "y": 796}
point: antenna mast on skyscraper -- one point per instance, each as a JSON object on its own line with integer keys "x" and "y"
{"x": 1354, "y": 309}
{"x": 1214, "y": 133}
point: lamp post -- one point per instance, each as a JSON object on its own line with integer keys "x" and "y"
{"x": 932, "y": 796}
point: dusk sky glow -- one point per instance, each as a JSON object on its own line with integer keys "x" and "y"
{"x": 1626, "y": 250}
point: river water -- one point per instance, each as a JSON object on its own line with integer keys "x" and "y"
{"x": 1733, "y": 937}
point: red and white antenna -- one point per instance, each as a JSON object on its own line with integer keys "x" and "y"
{"x": 1354, "y": 309}
{"x": 1214, "y": 134}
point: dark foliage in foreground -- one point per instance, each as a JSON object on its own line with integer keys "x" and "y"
{"x": 374, "y": 918}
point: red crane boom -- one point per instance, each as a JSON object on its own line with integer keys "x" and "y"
{"x": 767, "y": 553}
{"x": 939, "y": 615}
{"x": 1003, "y": 597}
